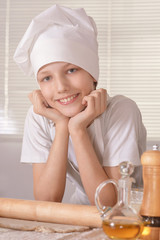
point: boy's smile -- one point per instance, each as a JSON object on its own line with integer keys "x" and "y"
{"x": 68, "y": 100}
{"x": 64, "y": 86}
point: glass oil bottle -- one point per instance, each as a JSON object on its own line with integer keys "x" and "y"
{"x": 121, "y": 221}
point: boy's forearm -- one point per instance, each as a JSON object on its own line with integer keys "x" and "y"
{"x": 51, "y": 183}
{"x": 91, "y": 171}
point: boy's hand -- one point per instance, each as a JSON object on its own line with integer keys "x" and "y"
{"x": 41, "y": 107}
{"x": 96, "y": 103}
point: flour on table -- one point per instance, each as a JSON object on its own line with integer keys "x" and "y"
{"x": 44, "y": 227}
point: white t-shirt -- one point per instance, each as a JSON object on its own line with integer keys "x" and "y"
{"x": 117, "y": 135}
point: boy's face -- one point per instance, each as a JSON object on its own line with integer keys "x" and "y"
{"x": 64, "y": 85}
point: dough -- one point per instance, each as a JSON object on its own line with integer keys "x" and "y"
{"x": 44, "y": 227}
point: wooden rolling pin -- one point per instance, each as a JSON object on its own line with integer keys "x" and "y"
{"x": 82, "y": 215}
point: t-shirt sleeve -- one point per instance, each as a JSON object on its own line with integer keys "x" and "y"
{"x": 125, "y": 135}
{"x": 36, "y": 140}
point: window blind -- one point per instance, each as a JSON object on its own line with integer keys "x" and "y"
{"x": 129, "y": 50}
{"x": 134, "y": 68}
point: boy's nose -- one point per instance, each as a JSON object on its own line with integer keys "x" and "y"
{"x": 61, "y": 84}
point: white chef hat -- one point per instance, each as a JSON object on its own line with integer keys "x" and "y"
{"x": 59, "y": 34}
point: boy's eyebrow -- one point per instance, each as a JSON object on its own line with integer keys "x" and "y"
{"x": 69, "y": 64}
{"x": 43, "y": 73}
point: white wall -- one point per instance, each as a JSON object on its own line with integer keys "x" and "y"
{"x": 16, "y": 178}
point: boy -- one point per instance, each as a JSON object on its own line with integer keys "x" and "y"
{"x": 73, "y": 130}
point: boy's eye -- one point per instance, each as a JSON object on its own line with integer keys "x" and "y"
{"x": 72, "y": 70}
{"x": 46, "y": 79}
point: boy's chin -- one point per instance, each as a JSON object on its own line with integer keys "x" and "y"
{"x": 74, "y": 113}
